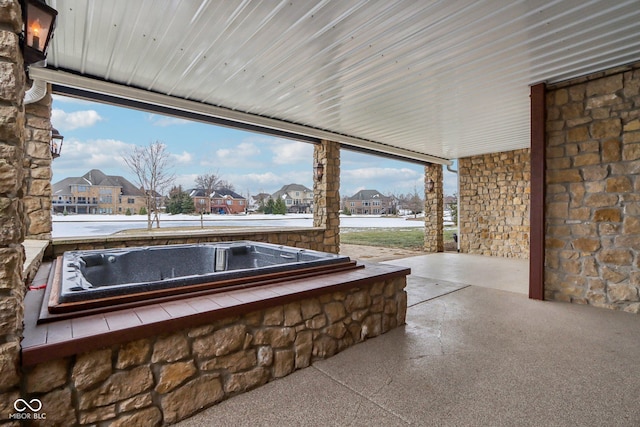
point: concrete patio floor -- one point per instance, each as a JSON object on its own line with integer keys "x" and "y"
{"x": 469, "y": 355}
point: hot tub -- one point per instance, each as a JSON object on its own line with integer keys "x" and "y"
{"x": 97, "y": 278}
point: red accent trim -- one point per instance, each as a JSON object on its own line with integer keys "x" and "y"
{"x": 538, "y": 140}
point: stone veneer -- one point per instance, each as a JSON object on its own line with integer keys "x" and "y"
{"x": 326, "y": 195}
{"x": 37, "y": 164}
{"x": 12, "y": 191}
{"x": 494, "y": 204}
{"x": 434, "y": 209}
{"x": 592, "y": 190}
{"x": 162, "y": 379}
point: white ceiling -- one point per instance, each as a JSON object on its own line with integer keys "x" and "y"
{"x": 444, "y": 78}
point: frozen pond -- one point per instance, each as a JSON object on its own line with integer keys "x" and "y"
{"x": 100, "y": 225}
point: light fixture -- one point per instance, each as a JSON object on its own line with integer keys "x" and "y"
{"x": 428, "y": 185}
{"x": 318, "y": 170}
{"x": 40, "y": 21}
{"x": 56, "y": 143}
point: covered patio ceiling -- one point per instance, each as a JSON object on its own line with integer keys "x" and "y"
{"x": 424, "y": 80}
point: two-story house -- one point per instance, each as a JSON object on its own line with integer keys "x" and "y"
{"x": 225, "y": 201}
{"x": 97, "y": 193}
{"x": 297, "y": 198}
{"x": 368, "y": 202}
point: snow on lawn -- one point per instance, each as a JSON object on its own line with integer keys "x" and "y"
{"x": 76, "y": 225}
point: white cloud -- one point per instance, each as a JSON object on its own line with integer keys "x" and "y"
{"x": 238, "y": 155}
{"x": 186, "y": 180}
{"x": 183, "y": 158}
{"x": 62, "y": 120}
{"x": 164, "y": 121}
{"x": 291, "y": 152}
{"x": 79, "y": 157}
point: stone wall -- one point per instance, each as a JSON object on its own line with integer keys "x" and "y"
{"x": 37, "y": 165}
{"x": 326, "y": 195}
{"x": 307, "y": 238}
{"x": 494, "y": 204}
{"x": 592, "y": 227}
{"x": 12, "y": 189}
{"x": 433, "y": 209}
{"x": 163, "y": 379}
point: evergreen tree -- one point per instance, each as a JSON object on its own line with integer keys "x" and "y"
{"x": 186, "y": 204}
{"x": 270, "y": 207}
{"x": 280, "y": 208}
{"x": 180, "y": 202}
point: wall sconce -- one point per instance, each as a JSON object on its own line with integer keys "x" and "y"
{"x": 56, "y": 143}
{"x": 318, "y": 171}
{"x": 40, "y": 21}
{"x": 428, "y": 185}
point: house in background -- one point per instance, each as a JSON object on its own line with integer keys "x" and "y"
{"x": 97, "y": 193}
{"x": 297, "y": 198}
{"x": 225, "y": 201}
{"x": 368, "y": 202}
{"x": 258, "y": 200}
{"x": 201, "y": 201}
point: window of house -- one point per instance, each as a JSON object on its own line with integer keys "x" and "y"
{"x": 131, "y": 200}
{"x": 82, "y": 188}
{"x": 106, "y": 199}
{"x": 353, "y": 204}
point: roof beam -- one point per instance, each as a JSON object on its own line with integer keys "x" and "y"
{"x": 92, "y": 88}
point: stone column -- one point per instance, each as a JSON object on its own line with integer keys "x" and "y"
{"x": 326, "y": 196}
{"x": 37, "y": 164}
{"x": 433, "y": 209}
{"x": 12, "y": 228}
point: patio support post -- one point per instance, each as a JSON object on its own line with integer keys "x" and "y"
{"x": 433, "y": 209}
{"x": 536, "y": 249}
{"x": 12, "y": 216}
{"x": 326, "y": 196}
{"x": 37, "y": 161}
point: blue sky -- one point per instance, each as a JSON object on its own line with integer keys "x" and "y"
{"x": 97, "y": 135}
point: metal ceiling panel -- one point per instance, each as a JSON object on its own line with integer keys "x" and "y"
{"x": 444, "y": 78}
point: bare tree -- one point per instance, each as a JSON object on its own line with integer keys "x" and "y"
{"x": 414, "y": 202}
{"x": 208, "y": 182}
{"x": 150, "y": 165}
{"x": 212, "y": 181}
{"x": 226, "y": 185}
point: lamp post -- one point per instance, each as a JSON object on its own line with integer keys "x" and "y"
{"x": 56, "y": 143}
{"x": 40, "y": 22}
{"x": 318, "y": 171}
{"x": 428, "y": 186}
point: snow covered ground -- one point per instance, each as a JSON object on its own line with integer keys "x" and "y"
{"x": 96, "y": 225}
